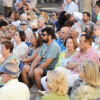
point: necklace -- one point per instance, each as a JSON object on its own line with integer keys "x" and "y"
{"x": 69, "y": 54}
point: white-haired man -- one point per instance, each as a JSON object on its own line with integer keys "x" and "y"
{"x": 23, "y": 16}
{"x": 41, "y": 24}
{"x": 13, "y": 89}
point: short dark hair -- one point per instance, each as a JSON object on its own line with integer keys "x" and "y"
{"x": 88, "y": 38}
{"x": 98, "y": 5}
{"x": 8, "y": 45}
{"x": 68, "y": 16}
{"x": 50, "y": 31}
{"x": 68, "y": 23}
{"x": 22, "y": 35}
{"x": 87, "y": 13}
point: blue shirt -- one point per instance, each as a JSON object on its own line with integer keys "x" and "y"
{"x": 61, "y": 44}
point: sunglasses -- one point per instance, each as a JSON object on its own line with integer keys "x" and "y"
{"x": 43, "y": 35}
{"x": 23, "y": 24}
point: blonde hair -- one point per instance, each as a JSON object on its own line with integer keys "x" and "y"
{"x": 11, "y": 26}
{"x": 57, "y": 82}
{"x": 91, "y": 70}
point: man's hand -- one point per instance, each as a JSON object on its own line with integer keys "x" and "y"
{"x": 30, "y": 74}
{"x": 72, "y": 65}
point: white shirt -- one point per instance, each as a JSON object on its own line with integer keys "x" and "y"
{"x": 17, "y": 23}
{"x": 20, "y": 49}
{"x": 14, "y": 90}
{"x": 28, "y": 33}
{"x": 8, "y": 3}
{"x": 71, "y": 7}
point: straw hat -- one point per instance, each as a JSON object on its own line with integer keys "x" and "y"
{"x": 45, "y": 16}
{"x": 33, "y": 15}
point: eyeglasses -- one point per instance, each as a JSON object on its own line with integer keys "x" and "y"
{"x": 53, "y": 15}
{"x": 43, "y": 35}
{"x": 23, "y": 24}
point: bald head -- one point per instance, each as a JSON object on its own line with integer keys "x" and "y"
{"x": 64, "y": 33}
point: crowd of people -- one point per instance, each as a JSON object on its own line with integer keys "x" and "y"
{"x": 60, "y": 56}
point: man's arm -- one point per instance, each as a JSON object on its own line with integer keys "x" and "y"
{"x": 46, "y": 63}
{"x": 72, "y": 65}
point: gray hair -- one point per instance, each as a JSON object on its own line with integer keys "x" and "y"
{"x": 23, "y": 16}
{"x": 13, "y": 68}
{"x": 42, "y": 19}
{"x": 25, "y": 21}
{"x": 98, "y": 25}
{"x": 77, "y": 28}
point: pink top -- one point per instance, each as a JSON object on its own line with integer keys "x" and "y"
{"x": 90, "y": 54}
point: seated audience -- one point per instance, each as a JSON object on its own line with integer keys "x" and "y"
{"x": 71, "y": 68}
{"x": 30, "y": 55}
{"x": 47, "y": 57}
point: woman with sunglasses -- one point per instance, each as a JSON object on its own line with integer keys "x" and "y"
{"x": 55, "y": 16}
{"x": 89, "y": 88}
{"x": 30, "y": 55}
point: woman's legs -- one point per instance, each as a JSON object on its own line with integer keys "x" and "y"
{"x": 24, "y": 74}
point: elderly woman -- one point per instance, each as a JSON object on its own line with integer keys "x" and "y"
{"x": 71, "y": 45}
{"x": 20, "y": 47}
{"x": 57, "y": 85}
{"x": 89, "y": 89}
{"x": 24, "y": 25}
{"x": 7, "y": 53}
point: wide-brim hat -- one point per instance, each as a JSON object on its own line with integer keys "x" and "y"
{"x": 5, "y": 70}
{"x": 45, "y": 16}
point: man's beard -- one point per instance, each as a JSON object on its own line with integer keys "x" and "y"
{"x": 84, "y": 20}
{"x": 45, "y": 41}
